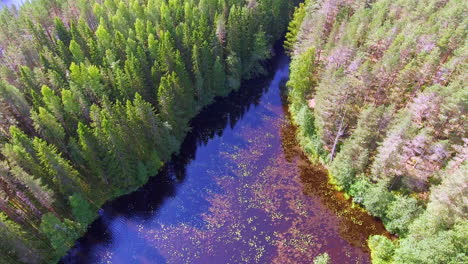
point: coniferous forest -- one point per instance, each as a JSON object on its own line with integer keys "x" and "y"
{"x": 378, "y": 90}
{"x": 97, "y": 95}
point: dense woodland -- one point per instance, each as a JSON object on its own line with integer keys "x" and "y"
{"x": 378, "y": 89}
{"x": 95, "y": 95}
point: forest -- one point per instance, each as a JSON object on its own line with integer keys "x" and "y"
{"x": 96, "y": 95}
{"x": 378, "y": 90}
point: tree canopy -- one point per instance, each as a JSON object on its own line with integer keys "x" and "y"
{"x": 96, "y": 95}
{"x": 382, "y": 101}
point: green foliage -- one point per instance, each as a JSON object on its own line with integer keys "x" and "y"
{"x": 401, "y": 212}
{"x": 322, "y": 259}
{"x": 15, "y": 244}
{"x": 62, "y": 174}
{"x": 382, "y": 249}
{"x": 50, "y": 129}
{"x": 75, "y": 50}
{"x": 300, "y": 85}
{"x": 444, "y": 246}
{"x": 354, "y": 156}
{"x": 14, "y": 98}
{"x": 301, "y": 81}
{"x": 359, "y": 189}
{"x": 62, "y": 32}
{"x": 91, "y": 152}
{"x": 102, "y": 92}
{"x": 82, "y": 210}
{"x": 381, "y": 102}
{"x": 176, "y": 104}
{"x": 219, "y": 78}
{"x": 61, "y": 235}
{"x": 377, "y": 200}
{"x": 307, "y": 134}
{"x": 294, "y": 27}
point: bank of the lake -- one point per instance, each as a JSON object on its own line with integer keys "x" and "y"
{"x": 240, "y": 191}
{"x": 380, "y": 98}
{"x": 97, "y": 95}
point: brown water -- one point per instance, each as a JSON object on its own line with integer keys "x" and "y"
{"x": 240, "y": 191}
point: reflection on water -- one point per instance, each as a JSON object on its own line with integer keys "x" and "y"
{"x": 240, "y": 191}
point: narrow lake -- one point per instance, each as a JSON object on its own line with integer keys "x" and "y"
{"x": 240, "y": 191}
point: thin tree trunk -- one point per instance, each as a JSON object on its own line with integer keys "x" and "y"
{"x": 338, "y": 135}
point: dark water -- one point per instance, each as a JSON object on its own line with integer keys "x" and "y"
{"x": 240, "y": 192}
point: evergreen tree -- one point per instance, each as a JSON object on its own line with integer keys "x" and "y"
{"x": 81, "y": 209}
{"x": 62, "y": 32}
{"x": 91, "y": 151}
{"x": 50, "y": 129}
{"x": 354, "y": 156}
{"x": 176, "y": 104}
{"x": 294, "y": 27}
{"x": 58, "y": 169}
{"x": 382, "y": 249}
{"x": 14, "y": 244}
{"x": 75, "y": 49}
{"x": 60, "y": 234}
{"x": 20, "y": 151}
{"x": 15, "y": 99}
{"x": 104, "y": 91}
{"x": 41, "y": 193}
{"x": 219, "y": 78}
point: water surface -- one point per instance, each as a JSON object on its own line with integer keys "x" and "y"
{"x": 240, "y": 191}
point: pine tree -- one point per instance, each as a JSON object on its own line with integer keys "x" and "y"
{"x": 175, "y": 104}
{"x": 219, "y": 78}
{"x": 294, "y": 27}
{"x": 61, "y": 235}
{"x": 58, "y": 169}
{"x": 39, "y": 35}
{"x": 234, "y": 68}
{"x": 42, "y": 193}
{"x": 91, "y": 151}
{"x": 16, "y": 101}
{"x": 71, "y": 105}
{"x": 355, "y": 154}
{"x": 20, "y": 151}
{"x": 50, "y": 129}
{"x": 14, "y": 243}
{"x": 82, "y": 210}
{"x": 53, "y": 104}
{"x": 75, "y": 49}
{"x": 104, "y": 38}
{"x": 110, "y": 128}
{"x": 199, "y": 77}
{"x": 62, "y": 32}
{"x": 29, "y": 80}
{"x": 302, "y": 79}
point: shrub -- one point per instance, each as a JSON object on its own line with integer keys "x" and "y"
{"x": 401, "y": 212}
{"x": 382, "y": 249}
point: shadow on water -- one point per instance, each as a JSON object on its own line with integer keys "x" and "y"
{"x": 241, "y": 190}
{"x": 211, "y": 122}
